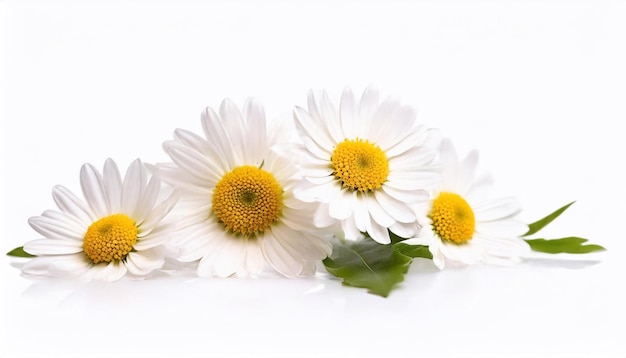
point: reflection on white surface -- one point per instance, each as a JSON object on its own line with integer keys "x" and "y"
{"x": 530, "y": 309}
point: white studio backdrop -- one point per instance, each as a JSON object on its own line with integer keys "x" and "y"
{"x": 538, "y": 88}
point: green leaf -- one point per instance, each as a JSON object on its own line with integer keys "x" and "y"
{"x": 368, "y": 264}
{"x": 571, "y": 245}
{"x": 540, "y": 224}
{"x": 414, "y": 250}
{"x": 19, "y": 252}
{"x": 395, "y": 238}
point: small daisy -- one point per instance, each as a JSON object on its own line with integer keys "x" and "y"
{"x": 367, "y": 163}
{"x": 463, "y": 223}
{"x": 120, "y": 230}
{"x": 238, "y": 194}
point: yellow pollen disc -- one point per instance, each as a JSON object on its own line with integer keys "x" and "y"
{"x": 453, "y": 218}
{"x": 247, "y": 200}
{"x": 110, "y": 238}
{"x": 360, "y": 165}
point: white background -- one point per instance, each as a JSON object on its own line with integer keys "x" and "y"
{"x": 538, "y": 87}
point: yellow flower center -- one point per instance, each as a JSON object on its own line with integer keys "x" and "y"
{"x": 247, "y": 200}
{"x": 360, "y": 165}
{"x": 110, "y": 238}
{"x": 453, "y": 218}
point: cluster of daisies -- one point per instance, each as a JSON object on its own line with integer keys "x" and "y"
{"x": 240, "y": 199}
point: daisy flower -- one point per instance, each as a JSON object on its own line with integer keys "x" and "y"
{"x": 241, "y": 214}
{"x": 367, "y": 163}
{"x": 463, "y": 223}
{"x": 119, "y": 230}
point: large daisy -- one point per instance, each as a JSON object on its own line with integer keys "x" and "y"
{"x": 241, "y": 214}
{"x": 464, "y": 222}
{"x": 367, "y": 163}
{"x": 119, "y": 230}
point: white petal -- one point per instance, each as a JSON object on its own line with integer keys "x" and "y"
{"x": 57, "y": 266}
{"x": 93, "y": 190}
{"x": 503, "y": 247}
{"x": 438, "y": 257}
{"x": 194, "y": 163}
{"x": 379, "y": 214}
{"x": 361, "y": 213}
{"x": 340, "y": 208}
{"x": 367, "y": 107}
{"x": 218, "y": 139}
{"x": 320, "y": 179}
{"x": 405, "y": 230}
{"x": 450, "y": 162}
{"x": 347, "y": 110}
{"x": 254, "y": 258}
{"x": 413, "y": 138}
{"x": 71, "y": 204}
{"x": 296, "y": 219}
{"x": 71, "y": 222}
{"x": 497, "y": 209}
{"x": 383, "y": 122}
{"x": 147, "y": 200}
{"x": 480, "y": 191}
{"x": 284, "y": 169}
{"x": 53, "y": 247}
{"x": 205, "y": 267}
{"x": 319, "y": 141}
{"x": 110, "y": 272}
{"x": 315, "y": 150}
{"x": 395, "y": 208}
{"x": 194, "y": 215}
{"x": 311, "y": 101}
{"x": 322, "y": 192}
{"x": 466, "y": 253}
{"x": 321, "y": 217}
{"x": 301, "y": 246}
{"x": 143, "y": 262}
{"x": 257, "y": 130}
{"x": 133, "y": 187}
{"x": 235, "y": 129}
{"x": 195, "y": 246}
{"x": 350, "y": 231}
{"x": 112, "y": 185}
{"x": 329, "y": 115}
{"x": 290, "y": 201}
{"x": 179, "y": 179}
{"x": 502, "y": 228}
{"x": 467, "y": 171}
{"x": 278, "y": 257}
{"x": 407, "y": 196}
{"x": 448, "y": 154}
{"x": 413, "y": 180}
{"x": 424, "y": 241}
{"x": 393, "y": 123}
{"x": 56, "y": 229}
{"x": 159, "y": 236}
{"x": 322, "y": 245}
{"x": 379, "y": 233}
{"x": 230, "y": 258}
{"x": 193, "y": 141}
{"x": 158, "y": 213}
{"x": 415, "y": 159}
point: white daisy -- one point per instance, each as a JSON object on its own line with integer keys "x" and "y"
{"x": 463, "y": 223}
{"x": 238, "y": 188}
{"x": 119, "y": 230}
{"x": 367, "y": 163}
